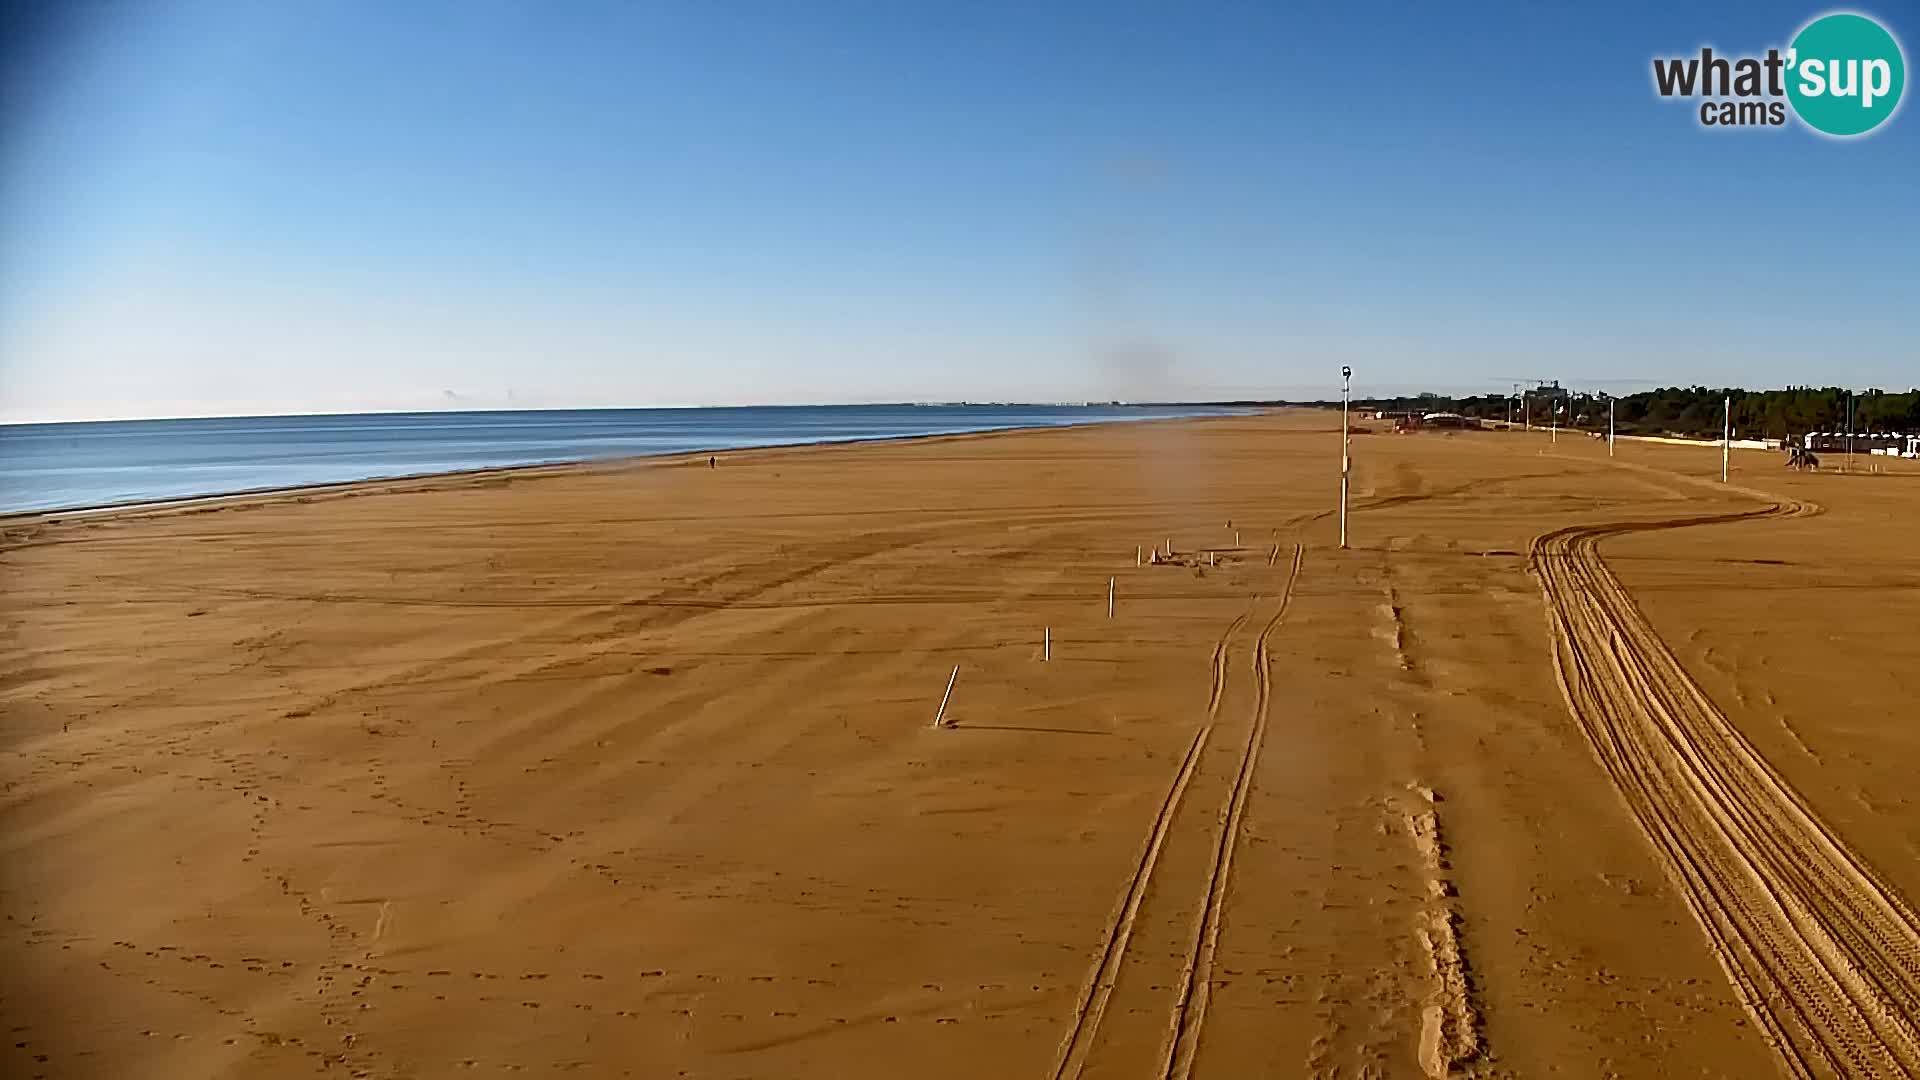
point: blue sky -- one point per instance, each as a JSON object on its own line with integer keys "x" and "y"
{"x": 232, "y": 207}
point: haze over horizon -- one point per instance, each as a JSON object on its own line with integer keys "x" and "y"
{"x": 218, "y": 208}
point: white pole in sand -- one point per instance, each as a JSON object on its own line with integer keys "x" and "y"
{"x": 1136, "y": 554}
{"x": 1847, "y": 464}
{"x": 1726, "y": 439}
{"x": 1346, "y": 380}
{"x": 1046, "y": 643}
{"x": 1236, "y": 538}
{"x": 1610, "y": 404}
{"x": 938, "y": 716}
{"x": 1109, "y": 598}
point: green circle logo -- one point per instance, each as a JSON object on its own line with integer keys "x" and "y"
{"x": 1845, "y": 73}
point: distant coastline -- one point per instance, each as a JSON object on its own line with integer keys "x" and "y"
{"x": 89, "y": 466}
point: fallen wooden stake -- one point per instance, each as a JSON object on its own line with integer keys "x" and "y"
{"x": 941, "y": 715}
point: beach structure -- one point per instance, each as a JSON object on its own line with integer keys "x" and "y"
{"x": 1862, "y": 442}
{"x": 1443, "y": 420}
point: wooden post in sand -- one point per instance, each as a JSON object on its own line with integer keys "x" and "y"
{"x": 1109, "y": 598}
{"x": 1236, "y": 538}
{"x": 1046, "y": 643}
{"x": 1346, "y": 450}
{"x": 1169, "y": 547}
{"x": 1136, "y": 554}
{"x": 1213, "y": 558}
{"x": 941, "y": 715}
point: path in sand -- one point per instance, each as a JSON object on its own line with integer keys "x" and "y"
{"x": 1825, "y": 955}
{"x": 1178, "y": 982}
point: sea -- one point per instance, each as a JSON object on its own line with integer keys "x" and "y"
{"x": 117, "y": 462}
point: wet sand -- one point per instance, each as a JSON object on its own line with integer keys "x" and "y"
{"x": 631, "y": 769}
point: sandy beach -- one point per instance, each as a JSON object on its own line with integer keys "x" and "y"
{"x": 1570, "y": 766}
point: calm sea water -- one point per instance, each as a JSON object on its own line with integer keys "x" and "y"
{"x": 63, "y": 466}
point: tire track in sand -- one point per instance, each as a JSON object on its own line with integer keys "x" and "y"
{"x": 1189, "y": 1008}
{"x": 1190, "y": 1011}
{"x": 1824, "y": 955}
{"x": 1099, "y": 989}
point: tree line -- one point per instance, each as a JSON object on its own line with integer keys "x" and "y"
{"x": 1688, "y": 410}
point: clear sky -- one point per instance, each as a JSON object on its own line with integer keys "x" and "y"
{"x": 230, "y": 207}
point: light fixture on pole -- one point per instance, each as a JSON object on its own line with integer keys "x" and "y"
{"x": 1346, "y": 440}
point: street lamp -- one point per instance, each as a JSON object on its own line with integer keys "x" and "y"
{"x": 1848, "y": 466}
{"x": 1346, "y": 442}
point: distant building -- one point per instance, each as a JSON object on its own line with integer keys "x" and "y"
{"x": 1448, "y": 420}
{"x": 1862, "y": 442}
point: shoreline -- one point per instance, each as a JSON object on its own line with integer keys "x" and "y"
{"x": 217, "y": 417}
{"x": 345, "y": 488}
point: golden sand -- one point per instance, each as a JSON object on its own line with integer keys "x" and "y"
{"x": 632, "y": 769}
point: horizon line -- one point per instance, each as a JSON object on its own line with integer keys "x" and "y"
{"x": 1235, "y": 402}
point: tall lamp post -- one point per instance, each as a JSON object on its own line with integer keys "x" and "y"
{"x": 1346, "y": 442}
{"x": 1726, "y": 439}
{"x": 1849, "y": 462}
